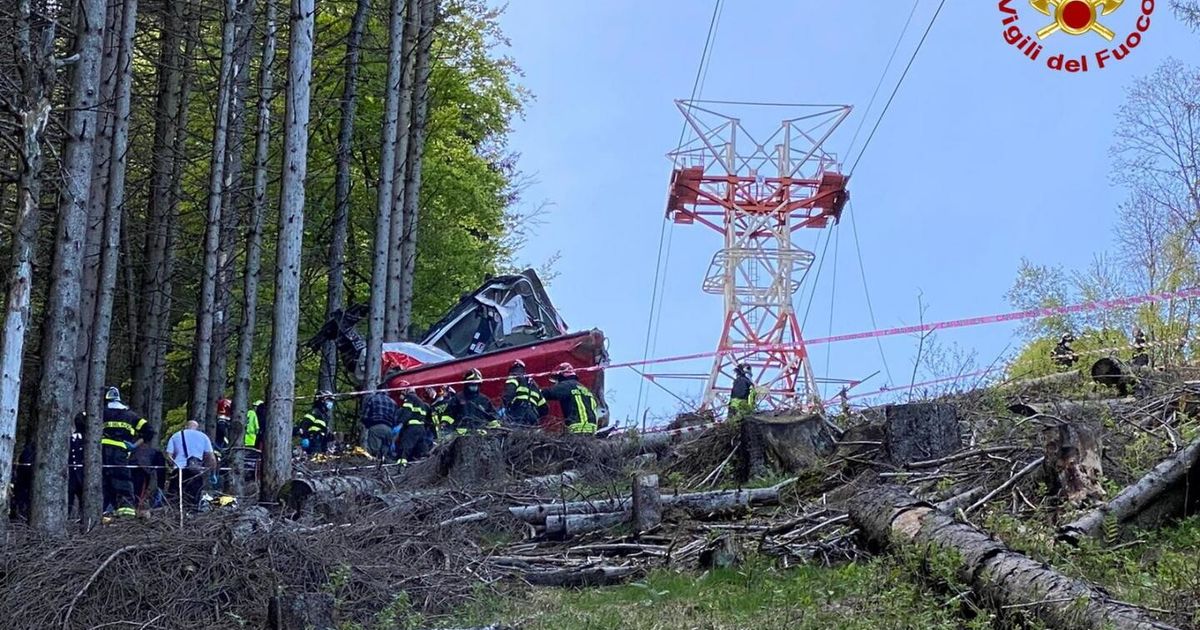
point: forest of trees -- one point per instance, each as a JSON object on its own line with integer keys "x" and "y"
{"x": 190, "y": 187}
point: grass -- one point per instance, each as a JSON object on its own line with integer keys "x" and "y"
{"x": 871, "y": 595}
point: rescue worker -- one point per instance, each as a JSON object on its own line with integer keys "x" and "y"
{"x": 1062, "y": 354}
{"x": 378, "y": 416}
{"x": 254, "y": 416}
{"x": 414, "y": 430}
{"x": 523, "y": 401}
{"x": 742, "y": 395}
{"x": 472, "y": 410}
{"x": 440, "y": 411}
{"x": 314, "y": 426}
{"x": 121, "y": 428}
{"x": 577, "y": 401}
{"x": 1141, "y": 358}
{"x": 150, "y": 476}
{"x": 22, "y": 480}
{"x": 224, "y": 405}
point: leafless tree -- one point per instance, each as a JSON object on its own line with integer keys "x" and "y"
{"x": 395, "y": 274}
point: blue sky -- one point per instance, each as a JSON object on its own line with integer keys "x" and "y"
{"x": 984, "y": 157}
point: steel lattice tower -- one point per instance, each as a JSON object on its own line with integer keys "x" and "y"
{"x": 758, "y": 194}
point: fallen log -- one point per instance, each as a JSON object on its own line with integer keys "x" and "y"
{"x": 1169, "y": 476}
{"x": 1061, "y": 379}
{"x": 578, "y": 578}
{"x": 1003, "y": 579}
{"x": 568, "y": 525}
{"x": 296, "y": 492}
{"x": 715, "y": 501}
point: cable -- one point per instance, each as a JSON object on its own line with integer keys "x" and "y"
{"x": 862, "y": 271}
{"x": 903, "y": 76}
{"x": 659, "y": 288}
{"x": 879, "y": 84}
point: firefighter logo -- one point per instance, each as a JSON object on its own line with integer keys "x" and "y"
{"x": 1120, "y": 31}
{"x": 1076, "y": 17}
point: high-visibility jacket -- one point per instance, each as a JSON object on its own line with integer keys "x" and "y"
{"x": 314, "y": 423}
{"x": 578, "y": 403}
{"x": 414, "y": 412}
{"x": 251, "y": 439}
{"x": 742, "y": 397}
{"x": 523, "y": 401}
{"x": 439, "y": 414}
{"x": 121, "y": 424}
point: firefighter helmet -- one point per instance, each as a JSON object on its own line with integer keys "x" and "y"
{"x": 473, "y": 375}
{"x": 565, "y": 370}
{"x": 112, "y": 394}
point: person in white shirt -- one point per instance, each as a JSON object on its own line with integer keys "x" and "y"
{"x": 192, "y": 452}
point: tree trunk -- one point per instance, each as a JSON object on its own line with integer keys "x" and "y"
{"x": 698, "y": 503}
{"x": 387, "y": 165}
{"x": 341, "y": 191}
{"x": 56, "y": 399}
{"x": 277, "y": 456}
{"x": 297, "y": 491}
{"x": 151, "y": 333}
{"x": 416, "y": 150}
{"x": 254, "y": 228}
{"x": 412, "y": 27}
{"x": 98, "y": 198}
{"x": 35, "y": 49}
{"x": 647, "y": 503}
{"x": 1073, "y": 465}
{"x": 202, "y": 344}
{"x": 1003, "y": 579}
{"x": 230, "y": 201}
{"x": 1171, "y": 475}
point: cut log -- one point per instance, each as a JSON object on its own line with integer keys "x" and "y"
{"x": 920, "y": 431}
{"x": 1003, "y": 579}
{"x": 699, "y": 502}
{"x": 537, "y": 514}
{"x": 785, "y": 444}
{"x": 647, "y": 503}
{"x": 1072, "y": 465}
{"x": 296, "y": 493}
{"x": 1069, "y": 408}
{"x": 551, "y": 481}
{"x": 1164, "y": 484}
{"x": 722, "y": 553}
{"x": 569, "y": 525}
{"x": 250, "y": 523}
{"x": 578, "y": 578}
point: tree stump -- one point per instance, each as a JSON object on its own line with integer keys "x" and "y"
{"x": 1073, "y": 463}
{"x": 647, "y": 504}
{"x": 722, "y": 553}
{"x": 920, "y": 431}
{"x": 306, "y": 611}
{"x": 785, "y": 444}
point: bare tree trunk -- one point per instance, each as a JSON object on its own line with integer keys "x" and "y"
{"x": 102, "y": 317}
{"x": 56, "y": 398}
{"x": 231, "y": 196}
{"x": 101, "y": 171}
{"x": 35, "y": 50}
{"x": 416, "y": 149}
{"x": 277, "y": 437}
{"x": 341, "y": 188}
{"x": 262, "y": 145}
{"x": 151, "y": 333}
{"x": 387, "y": 165}
{"x": 202, "y": 346}
{"x": 412, "y": 26}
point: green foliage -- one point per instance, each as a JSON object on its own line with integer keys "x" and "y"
{"x": 868, "y": 595}
{"x": 1035, "y": 359}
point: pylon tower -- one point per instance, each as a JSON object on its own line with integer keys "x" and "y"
{"x": 758, "y": 194}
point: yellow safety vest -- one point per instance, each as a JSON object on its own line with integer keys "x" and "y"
{"x": 251, "y": 427}
{"x": 584, "y": 400}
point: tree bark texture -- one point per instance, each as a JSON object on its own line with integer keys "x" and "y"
{"x": 416, "y": 150}
{"x": 202, "y": 345}
{"x": 254, "y": 229}
{"x": 412, "y": 26}
{"x": 1073, "y": 462}
{"x": 1002, "y": 579}
{"x": 335, "y": 296}
{"x": 277, "y": 438}
{"x": 56, "y": 399}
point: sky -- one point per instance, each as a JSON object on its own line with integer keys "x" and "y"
{"x": 983, "y": 158}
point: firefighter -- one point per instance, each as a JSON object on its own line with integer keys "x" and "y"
{"x": 254, "y": 417}
{"x": 440, "y": 410}
{"x": 742, "y": 396}
{"x": 1062, "y": 354}
{"x": 523, "y": 401}
{"x": 1140, "y": 357}
{"x": 121, "y": 429}
{"x": 414, "y": 426}
{"x": 377, "y": 413}
{"x": 577, "y": 401}
{"x": 314, "y": 426}
{"x": 472, "y": 410}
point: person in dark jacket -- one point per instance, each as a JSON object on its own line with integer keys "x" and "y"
{"x": 121, "y": 428}
{"x": 414, "y": 427}
{"x": 150, "y": 476}
{"x": 742, "y": 395}
{"x": 579, "y": 405}
{"x": 1140, "y": 358}
{"x": 378, "y": 416}
{"x": 472, "y": 410}
{"x": 314, "y": 426}
{"x": 523, "y": 401}
{"x": 444, "y": 399}
{"x": 1062, "y": 354}
{"x": 22, "y": 481}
